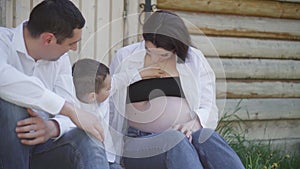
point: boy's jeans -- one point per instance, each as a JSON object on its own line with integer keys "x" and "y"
{"x": 74, "y": 150}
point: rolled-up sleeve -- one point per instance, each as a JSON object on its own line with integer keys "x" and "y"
{"x": 27, "y": 91}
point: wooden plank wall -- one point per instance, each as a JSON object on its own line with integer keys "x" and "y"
{"x": 103, "y": 32}
{"x": 252, "y": 45}
{"x": 254, "y": 48}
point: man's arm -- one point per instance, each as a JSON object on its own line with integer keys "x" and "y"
{"x": 27, "y": 91}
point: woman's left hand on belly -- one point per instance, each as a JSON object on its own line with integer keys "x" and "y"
{"x": 188, "y": 128}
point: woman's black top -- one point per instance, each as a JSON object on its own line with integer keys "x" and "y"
{"x": 147, "y": 89}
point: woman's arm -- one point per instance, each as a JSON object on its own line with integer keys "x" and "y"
{"x": 206, "y": 110}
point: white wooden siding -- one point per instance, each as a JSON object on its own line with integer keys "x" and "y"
{"x": 102, "y": 34}
{"x": 255, "y": 53}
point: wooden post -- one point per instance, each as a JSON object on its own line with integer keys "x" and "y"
{"x": 2, "y": 12}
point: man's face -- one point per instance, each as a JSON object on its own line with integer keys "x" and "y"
{"x": 55, "y": 50}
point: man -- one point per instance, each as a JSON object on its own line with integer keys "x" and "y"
{"x": 36, "y": 94}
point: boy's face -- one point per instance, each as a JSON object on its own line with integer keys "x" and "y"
{"x": 103, "y": 93}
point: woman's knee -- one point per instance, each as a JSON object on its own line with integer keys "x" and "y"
{"x": 180, "y": 141}
{"x": 205, "y": 135}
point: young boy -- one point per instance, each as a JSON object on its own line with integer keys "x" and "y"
{"x": 92, "y": 86}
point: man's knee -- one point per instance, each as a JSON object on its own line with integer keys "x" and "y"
{"x": 10, "y": 114}
{"x": 8, "y": 109}
{"x": 83, "y": 141}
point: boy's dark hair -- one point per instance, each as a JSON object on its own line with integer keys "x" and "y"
{"x": 59, "y": 17}
{"x": 167, "y": 30}
{"x": 88, "y": 76}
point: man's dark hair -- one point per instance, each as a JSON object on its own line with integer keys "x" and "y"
{"x": 59, "y": 17}
{"x": 167, "y": 30}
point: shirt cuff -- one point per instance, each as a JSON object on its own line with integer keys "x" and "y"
{"x": 51, "y": 102}
{"x": 64, "y": 123}
{"x": 134, "y": 75}
{"x": 203, "y": 116}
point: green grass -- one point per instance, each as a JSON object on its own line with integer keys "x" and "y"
{"x": 254, "y": 154}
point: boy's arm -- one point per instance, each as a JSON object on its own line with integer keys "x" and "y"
{"x": 124, "y": 79}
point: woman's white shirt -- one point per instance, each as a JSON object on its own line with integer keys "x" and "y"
{"x": 196, "y": 76}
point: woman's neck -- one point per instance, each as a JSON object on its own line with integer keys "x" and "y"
{"x": 168, "y": 65}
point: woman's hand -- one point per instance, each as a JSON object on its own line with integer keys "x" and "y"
{"x": 152, "y": 72}
{"x": 84, "y": 120}
{"x": 188, "y": 128}
{"x": 35, "y": 130}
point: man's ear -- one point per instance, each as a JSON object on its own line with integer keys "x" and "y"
{"x": 48, "y": 38}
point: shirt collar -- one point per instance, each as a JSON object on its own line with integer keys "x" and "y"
{"x": 18, "y": 39}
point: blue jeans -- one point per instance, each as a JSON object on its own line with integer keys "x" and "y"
{"x": 74, "y": 150}
{"x": 208, "y": 150}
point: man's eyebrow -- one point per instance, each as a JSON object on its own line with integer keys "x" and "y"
{"x": 74, "y": 42}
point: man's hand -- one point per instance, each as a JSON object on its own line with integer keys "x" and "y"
{"x": 35, "y": 130}
{"x": 84, "y": 120}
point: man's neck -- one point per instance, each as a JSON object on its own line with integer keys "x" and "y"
{"x": 31, "y": 44}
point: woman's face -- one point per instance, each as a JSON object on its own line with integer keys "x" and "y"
{"x": 157, "y": 54}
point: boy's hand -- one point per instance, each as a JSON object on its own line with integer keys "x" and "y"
{"x": 84, "y": 120}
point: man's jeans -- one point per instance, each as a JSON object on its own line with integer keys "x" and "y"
{"x": 74, "y": 150}
{"x": 174, "y": 151}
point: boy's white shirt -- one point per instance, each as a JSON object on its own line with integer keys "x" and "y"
{"x": 102, "y": 112}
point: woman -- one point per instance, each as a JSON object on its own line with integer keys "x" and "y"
{"x": 169, "y": 120}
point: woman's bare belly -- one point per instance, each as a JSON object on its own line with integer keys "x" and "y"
{"x": 158, "y": 114}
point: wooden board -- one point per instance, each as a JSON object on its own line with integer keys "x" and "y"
{"x": 35, "y": 2}
{"x": 2, "y": 13}
{"x": 274, "y": 9}
{"x": 131, "y": 25}
{"x": 9, "y": 18}
{"x": 280, "y": 134}
{"x": 271, "y": 129}
{"x": 255, "y": 68}
{"x": 22, "y": 11}
{"x": 102, "y": 43}
{"x": 247, "y": 48}
{"x": 258, "y": 89}
{"x": 116, "y": 27}
{"x": 241, "y": 26}
{"x": 87, "y": 49}
{"x": 260, "y": 109}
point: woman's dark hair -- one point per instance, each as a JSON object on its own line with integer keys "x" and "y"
{"x": 167, "y": 30}
{"x": 88, "y": 76}
{"x": 59, "y": 17}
